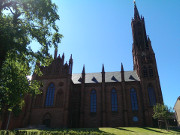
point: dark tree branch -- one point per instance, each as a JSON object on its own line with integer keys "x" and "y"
{"x": 11, "y": 10}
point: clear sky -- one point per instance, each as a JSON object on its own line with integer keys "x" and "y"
{"x": 99, "y": 32}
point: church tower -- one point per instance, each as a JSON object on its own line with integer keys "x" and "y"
{"x": 144, "y": 63}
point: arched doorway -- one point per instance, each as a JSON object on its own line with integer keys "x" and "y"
{"x": 47, "y": 120}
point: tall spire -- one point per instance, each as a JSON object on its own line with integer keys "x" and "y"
{"x": 136, "y": 13}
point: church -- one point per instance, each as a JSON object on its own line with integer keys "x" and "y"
{"x": 104, "y": 99}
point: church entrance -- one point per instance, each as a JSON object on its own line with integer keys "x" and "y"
{"x": 47, "y": 122}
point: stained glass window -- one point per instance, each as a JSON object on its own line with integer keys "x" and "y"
{"x": 152, "y": 97}
{"x": 134, "y": 103}
{"x": 50, "y": 95}
{"x": 151, "y": 72}
{"x": 114, "y": 100}
{"x": 93, "y": 101}
{"x": 135, "y": 119}
{"x": 145, "y": 73}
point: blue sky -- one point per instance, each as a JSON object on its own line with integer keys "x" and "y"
{"x": 99, "y": 32}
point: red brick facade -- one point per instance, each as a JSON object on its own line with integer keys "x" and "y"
{"x": 71, "y": 100}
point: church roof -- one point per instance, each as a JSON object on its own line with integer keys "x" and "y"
{"x": 109, "y": 77}
{"x": 177, "y": 104}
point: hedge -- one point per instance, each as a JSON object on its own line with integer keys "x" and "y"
{"x": 42, "y": 132}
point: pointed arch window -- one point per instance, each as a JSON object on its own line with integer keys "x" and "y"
{"x": 145, "y": 73}
{"x": 114, "y": 100}
{"x": 134, "y": 103}
{"x": 93, "y": 101}
{"x": 152, "y": 97}
{"x": 151, "y": 73}
{"x": 47, "y": 120}
{"x": 50, "y": 95}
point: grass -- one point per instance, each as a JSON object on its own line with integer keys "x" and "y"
{"x": 95, "y": 131}
{"x": 139, "y": 131}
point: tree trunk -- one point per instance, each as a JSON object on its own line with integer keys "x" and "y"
{"x": 159, "y": 124}
{"x": 3, "y": 53}
{"x": 2, "y": 59}
{"x": 166, "y": 124}
{"x": 9, "y": 117}
{"x": 4, "y": 120}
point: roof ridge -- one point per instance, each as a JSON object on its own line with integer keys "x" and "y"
{"x": 105, "y": 72}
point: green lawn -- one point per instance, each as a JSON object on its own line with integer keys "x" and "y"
{"x": 139, "y": 131}
{"x": 95, "y": 131}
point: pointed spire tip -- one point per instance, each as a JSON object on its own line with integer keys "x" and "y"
{"x": 70, "y": 58}
{"x": 55, "y": 53}
{"x": 83, "y": 71}
{"x": 122, "y": 68}
{"x": 136, "y": 13}
{"x": 102, "y": 67}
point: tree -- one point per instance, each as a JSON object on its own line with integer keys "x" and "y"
{"x": 162, "y": 112}
{"x": 22, "y": 21}
{"x": 14, "y": 86}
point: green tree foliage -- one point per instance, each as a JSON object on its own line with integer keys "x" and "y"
{"x": 21, "y": 22}
{"x": 14, "y": 84}
{"x": 162, "y": 112}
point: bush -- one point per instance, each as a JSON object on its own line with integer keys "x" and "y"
{"x": 54, "y": 132}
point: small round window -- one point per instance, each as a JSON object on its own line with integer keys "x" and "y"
{"x": 135, "y": 119}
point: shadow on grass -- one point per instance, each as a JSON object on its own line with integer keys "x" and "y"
{"x": 176, "y": 129}
{"x": 147, "y": 128}
{"x": 124, "y": 129}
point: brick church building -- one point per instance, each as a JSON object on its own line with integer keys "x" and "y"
{"x": 104, "y": 99}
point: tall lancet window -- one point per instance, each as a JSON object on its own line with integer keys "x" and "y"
{"x": 145, "y": 73}
{"x": 151, "y": 73}
{"x": 152, "y": 97}
{"x": 50, "y": 95}
{"x": 114, "y": 100}
{"x": 93, "y": 101}
{"x": 134, "y": 103}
